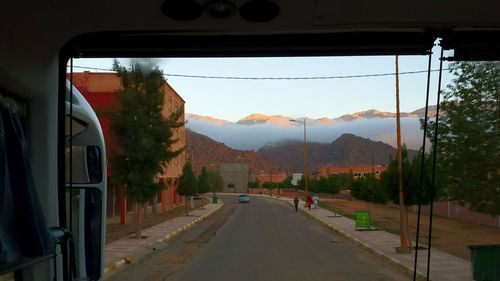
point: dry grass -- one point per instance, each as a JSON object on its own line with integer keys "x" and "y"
{"x": 448, "y": 235}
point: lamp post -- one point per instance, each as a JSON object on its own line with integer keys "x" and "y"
{"x": 305, "y": 149}
{"x": 242, "y": 179}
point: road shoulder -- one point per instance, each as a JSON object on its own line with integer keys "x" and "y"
{"x": 129, "y": 250}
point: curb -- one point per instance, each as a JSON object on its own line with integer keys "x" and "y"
{"x": 166, "y": 237}
{"x": 391, "y": 260}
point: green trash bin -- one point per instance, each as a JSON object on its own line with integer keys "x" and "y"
{"x": 485, "y": 262}
{"x": 214, "y": 200}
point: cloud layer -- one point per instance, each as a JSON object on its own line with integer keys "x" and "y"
{"x": 252, "y": 137}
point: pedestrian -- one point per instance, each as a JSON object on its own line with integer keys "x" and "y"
{"x": 309, "y": 202}
{"x": 315, "y": 201}
{"x": 296, "y": 202}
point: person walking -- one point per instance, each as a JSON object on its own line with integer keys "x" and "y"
{"x": 309, "y": 202}
{"x": 315, "y": 201}
{"x": 296, "y": 203}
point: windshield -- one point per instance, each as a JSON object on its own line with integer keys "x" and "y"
{"x": 394, "y": 154}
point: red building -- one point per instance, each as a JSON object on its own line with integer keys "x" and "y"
{"x": 100, "y": 90}
{"x": 355, "y": 171}
{"x": 277, "y": 178}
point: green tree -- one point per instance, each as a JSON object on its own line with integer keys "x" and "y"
{"x": 370, "y": 189}
{"x": 468, "y": 141}
{"x": 334, "y": 183}
{"x": 343, "y": 181}
{"x": 143, "y": 134}
{"x": 215, "y": 182}
{"x": 269, "y": 185}
{"x": 286, "y": 183}
{"x": 187, "y": 184}
{"x": 415, "y": 177}
{"x": 231, "y": 186}
{"x": 316, "y": 185}
{"x": 203, "y": 184}
{"x": 411, "y": 179}
{"x": 331, "y": 184}
{"x": 254, "y": 184}
{"x": 301, "y": 184}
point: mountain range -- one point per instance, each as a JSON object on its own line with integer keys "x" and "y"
{"x": 288, "y": 156}
{"x": 256, "y": 130}
{"x": 347, "y": 150}
{"x": 258, "y": 118}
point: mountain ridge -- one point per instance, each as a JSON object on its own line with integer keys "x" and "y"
{"x": 287, "y": 155}
{"x": 206, "y": 152}
{"x": 256, "y": 130}
{"x": 260, "y": 118}
{"x": 345, "y": 151}
{"x": 206, "y": 118}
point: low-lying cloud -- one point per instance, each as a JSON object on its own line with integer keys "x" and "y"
{"x": 253, "y": 137}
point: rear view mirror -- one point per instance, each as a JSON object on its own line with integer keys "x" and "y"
{"x": 83, "y": 164}
{"x": 74, "y": 126}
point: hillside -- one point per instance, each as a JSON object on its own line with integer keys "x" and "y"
{"x": 346, "y": 150}
{"x": 288, "y": 156}
{"x": 204, "y": 151}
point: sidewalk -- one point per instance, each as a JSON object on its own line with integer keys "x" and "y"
{"x": 444, "y": 267}
{"x": 127, "y": 250}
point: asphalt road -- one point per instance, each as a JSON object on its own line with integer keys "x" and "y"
{"x": 267, "y": 240}
{"x": 262, "y": 240}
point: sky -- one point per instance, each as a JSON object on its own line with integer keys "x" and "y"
{"x": 234, "y": 99}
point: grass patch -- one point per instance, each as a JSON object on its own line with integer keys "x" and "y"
{"x": 380, "y": 224}
{"x": 448, "y": 235}
{"x": 385, "y": 227}
{"x": 336, "y": 210}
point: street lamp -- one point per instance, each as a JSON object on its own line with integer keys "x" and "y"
{"x": 305, "y": 150}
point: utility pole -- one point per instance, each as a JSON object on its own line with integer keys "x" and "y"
{"x": 373, "y": 167}
{"x": 403, "y": 226}
{"x": 305, "y": 150}
{"x": 271, "y": 178}
{"x": 305, "y": 157}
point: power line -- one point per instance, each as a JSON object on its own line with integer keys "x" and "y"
{"x": 296, "y": 78}
{"x": 278, "y": 78}
{"x": 93, "y": 68}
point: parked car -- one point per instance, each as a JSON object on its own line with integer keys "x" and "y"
{"x": 198, "y": 197}
{"x": 243, "y": 198}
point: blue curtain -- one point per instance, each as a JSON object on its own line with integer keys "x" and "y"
{"x": 23, "y": 231}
